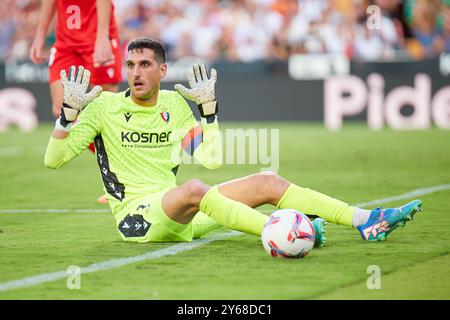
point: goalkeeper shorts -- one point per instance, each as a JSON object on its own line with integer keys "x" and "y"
{"x": 146, "y": 221}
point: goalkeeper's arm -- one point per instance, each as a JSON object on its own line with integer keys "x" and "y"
{"x": 62, "y": 147}
{"x": 203, "y": 142}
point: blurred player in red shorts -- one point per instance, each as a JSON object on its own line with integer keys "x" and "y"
{"x": 86, "y": 35}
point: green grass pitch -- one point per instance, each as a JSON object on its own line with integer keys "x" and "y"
{"x": 354, "y": 164}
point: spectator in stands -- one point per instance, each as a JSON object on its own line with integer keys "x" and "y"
{"x": 251, "y": 30}
{"x": 225, "y": 47}
{"x": 8, "y": 26}
{"x": 391, "y": 30}
{"x": 376, "y": 34}
{"x": 335, "y": 26}
{"x": 425, "y": 29}
{"x": 27, "y": 13}
{"x": 445, "y": 16}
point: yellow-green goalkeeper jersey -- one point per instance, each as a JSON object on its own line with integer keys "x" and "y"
{"x": 138, "y": 148}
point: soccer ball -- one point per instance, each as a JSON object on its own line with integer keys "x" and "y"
{"x": 288, "y": 234}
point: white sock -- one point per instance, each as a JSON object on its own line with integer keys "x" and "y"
{"x": 360, "y": 217}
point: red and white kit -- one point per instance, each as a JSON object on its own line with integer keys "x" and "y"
{"x": 76, "y": 28}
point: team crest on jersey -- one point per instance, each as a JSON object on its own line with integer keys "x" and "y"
{"x": 165, "y": 116}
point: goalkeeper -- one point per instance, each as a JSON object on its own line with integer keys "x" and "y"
{"x": 138, "y": 134}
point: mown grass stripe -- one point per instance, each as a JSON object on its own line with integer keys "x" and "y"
{"x": 115, "y": 263}
{"x": 181, "y": 247}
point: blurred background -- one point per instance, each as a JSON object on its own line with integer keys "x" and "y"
{"x": 284, "y": 48}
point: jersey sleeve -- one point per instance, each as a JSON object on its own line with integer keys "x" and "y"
{"x": 202, "y": 141}
{"x": 87, "y": 127}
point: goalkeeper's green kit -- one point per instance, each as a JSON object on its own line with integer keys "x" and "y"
{"x": 138, "y": 153}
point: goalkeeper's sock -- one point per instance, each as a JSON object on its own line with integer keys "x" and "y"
{"x": 315, "y": 203}
{"x": 231, "y": 213}
{"x": 360, "y": 217}
{"x": 202, "y": 225}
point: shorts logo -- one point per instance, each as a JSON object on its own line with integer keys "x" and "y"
{"x": 165, "y": 116}
{"x": 134, "y": 226}
{"x": 110, "y": 72}
{"x": 143, "y": 207}
{"x": 51, "y": 59}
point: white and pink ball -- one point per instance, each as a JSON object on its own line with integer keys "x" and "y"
{"x": 288, "y": 234}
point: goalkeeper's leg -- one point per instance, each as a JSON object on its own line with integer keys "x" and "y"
{"x": 183, "y": 203}
{"x": 232, "y": 203}
{"x": 270, "y": 188}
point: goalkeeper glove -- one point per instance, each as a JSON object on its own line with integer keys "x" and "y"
{"x": 75, "y": 96}
{"x": 201, "y": 91}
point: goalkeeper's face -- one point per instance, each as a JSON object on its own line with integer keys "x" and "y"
{"x": 144, "y": 73}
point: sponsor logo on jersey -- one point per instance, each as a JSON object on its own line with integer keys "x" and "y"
{"x": 145, "y": 137}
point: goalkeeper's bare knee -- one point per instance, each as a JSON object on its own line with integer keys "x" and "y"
{"x": 194, "y": 190}
{"x": 182, "y": 203}
{"x": 270, "y": 186}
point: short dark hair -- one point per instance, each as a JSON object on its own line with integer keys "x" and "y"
{"x": 156, "y": 46}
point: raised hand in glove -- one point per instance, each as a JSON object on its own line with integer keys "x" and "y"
{"x": 202, "y": 89}
{"x": 75, "y": 96}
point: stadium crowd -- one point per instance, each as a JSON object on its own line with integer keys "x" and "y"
{"x": 251, "y": 30}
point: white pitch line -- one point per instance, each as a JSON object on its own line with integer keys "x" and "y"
{"x": 10, "y": 151}
{"x": 16, "y": 151}
{"x": 408, "y": 195}
{"x": 172, "y": 250}
{"x": 115, "y": 263}
{"x": 55, "y": 210}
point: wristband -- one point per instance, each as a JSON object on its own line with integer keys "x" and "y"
{"x": 68, "y": 114}
{"x": 208, "y": 119}
{"x": 208, "y": 109}
{"x": 61, "y": 127}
